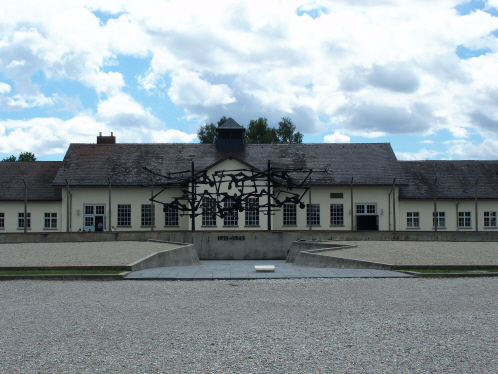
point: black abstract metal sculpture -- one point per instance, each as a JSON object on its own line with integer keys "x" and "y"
{"x": 248, "y": 186}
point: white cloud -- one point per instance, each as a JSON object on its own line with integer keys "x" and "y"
{"x": 4, "y": 88}
{"x": 336, "y": 137}
{"x": 121, "y": 114}
{"x": 466, "y": 150}
{"x": 427, "y": 141}
{"x": 423, "y": 154}
{"x": 362, "y": 67}
{"x": 118, "y": 105}
{"x": 188, "y": 88}
{"x": 18, "y": 102}
{"x": 173, "y": 136}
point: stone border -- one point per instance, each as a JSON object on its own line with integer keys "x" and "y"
{"x": 88, "y": 277}
{"x": 183, "y": 255}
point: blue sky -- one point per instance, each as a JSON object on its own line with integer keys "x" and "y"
{"x": 420, "y": 74}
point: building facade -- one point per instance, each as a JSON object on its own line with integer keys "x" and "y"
{"x": 131, "y": 187}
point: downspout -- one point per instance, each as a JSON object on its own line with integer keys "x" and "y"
{"x": 153, "y": 216}
{"x": 67, "y": 205}
{"x": 457, "y": 216}
{"x": 477, "y": 220}
{"x": 192, "y": 216}
{"x": 70, "y": 211}
{"x": 352, "y": 210}
{"x": 109, "y": 224}
{"x": 435, "y": 207}
{"x": 269, "y": 196}
{"x": 389, "y": 205}
{"x": 309, "y": 209}
{"x": 394, "y": 205}
{"x": 25, "y": 206}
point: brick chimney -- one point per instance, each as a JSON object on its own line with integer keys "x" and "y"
{"x": 106, "y": 139}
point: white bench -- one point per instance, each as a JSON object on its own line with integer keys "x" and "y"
{"x": 264, "y": 268}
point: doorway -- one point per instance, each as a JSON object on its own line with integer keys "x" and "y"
{"x": 367, "y": 218}
{"x": 94, "y": 217}
{"x": 367, "y": 223}
{"x": 99, "y": 223}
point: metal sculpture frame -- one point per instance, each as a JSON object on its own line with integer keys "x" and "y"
{"x": 276, "y": 184}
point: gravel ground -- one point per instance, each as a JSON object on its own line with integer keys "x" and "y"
{"x": 420, "y": 253}
{"x": 78, "y": 254}
{"x": 260, "y": 326}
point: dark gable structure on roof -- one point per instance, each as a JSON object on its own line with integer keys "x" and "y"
{"x": 353, "y": 187}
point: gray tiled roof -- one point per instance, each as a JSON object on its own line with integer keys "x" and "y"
{"x": 455, "y": 179}
{"x": 38, "y": 175}
{"x": 92, "y": 164}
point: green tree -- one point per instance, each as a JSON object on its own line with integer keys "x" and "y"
{"x": 259, "y": 132}
{"x": 26, "y": 156}
{"x": 207, "y": 134}
{"x": 10, "y": 158}
{"x": 23, "y": 156}
{"x": 287, "y": 132}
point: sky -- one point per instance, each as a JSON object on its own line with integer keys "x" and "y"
{"x": 419, "y": 74}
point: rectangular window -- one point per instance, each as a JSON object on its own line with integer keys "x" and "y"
{"x": 50, "y": 220}
{"x": 208, "y": 212}
{"x": 99, "y": 209}
{"x": 290, "y": 217}
{"x": 412, "y": 219}
{"x": 89, "y": 221}
{"x": 464, "y": 219}
{"x": 148, "y": 213}
{"x": 369, "y": 209}
{"x": 315, "y": 214}
{"x": 252, "y": 211}
{"x": 21, "y": 221}
{"x": 2, "y": 220}
{"x": 489, "y": 219}
{"x": 336, "y": 214}
{"x": 88, "y": 209}
{"x": 440, "y": 219}
{"x": 124, "y": 214}
{"x": 170, "y": 216}
{"x": 336, "y": 195}
{"x": 231, "y": 215}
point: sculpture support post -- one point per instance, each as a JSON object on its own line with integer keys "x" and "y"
{"x": 394, "y": 205}
{"x": 309, "y": 205}
{"x": 192, "y": 206}
{"x": 435, "y": 207}
{"x": 25, "y": 206}
{"x": 152, "y": 213}
{"x": 109, "y": 224}
{"x": 352, "y": 206}
{"x": 269, "y": 196}
{"x": 477, "y": 218}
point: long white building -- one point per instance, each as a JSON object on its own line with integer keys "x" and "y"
{"x": 351, "y": 187}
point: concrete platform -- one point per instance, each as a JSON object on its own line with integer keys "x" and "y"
{"x": 233, "y": 270}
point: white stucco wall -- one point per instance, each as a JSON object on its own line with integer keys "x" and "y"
{"x": 449, "y": 207}
{"x": 37, "y": 210}
{"x": 135, "y": 196}
{"x": 321, "y": 195}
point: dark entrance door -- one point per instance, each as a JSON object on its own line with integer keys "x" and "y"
{"x": 99, "y": 223}
{"x": 367, "y": 223}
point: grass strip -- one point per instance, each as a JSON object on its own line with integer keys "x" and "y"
{"x": 60, "y": 272}
{"x": 451, "y": 271}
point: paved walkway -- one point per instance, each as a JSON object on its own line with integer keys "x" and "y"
{"x": 245, "y": 270}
